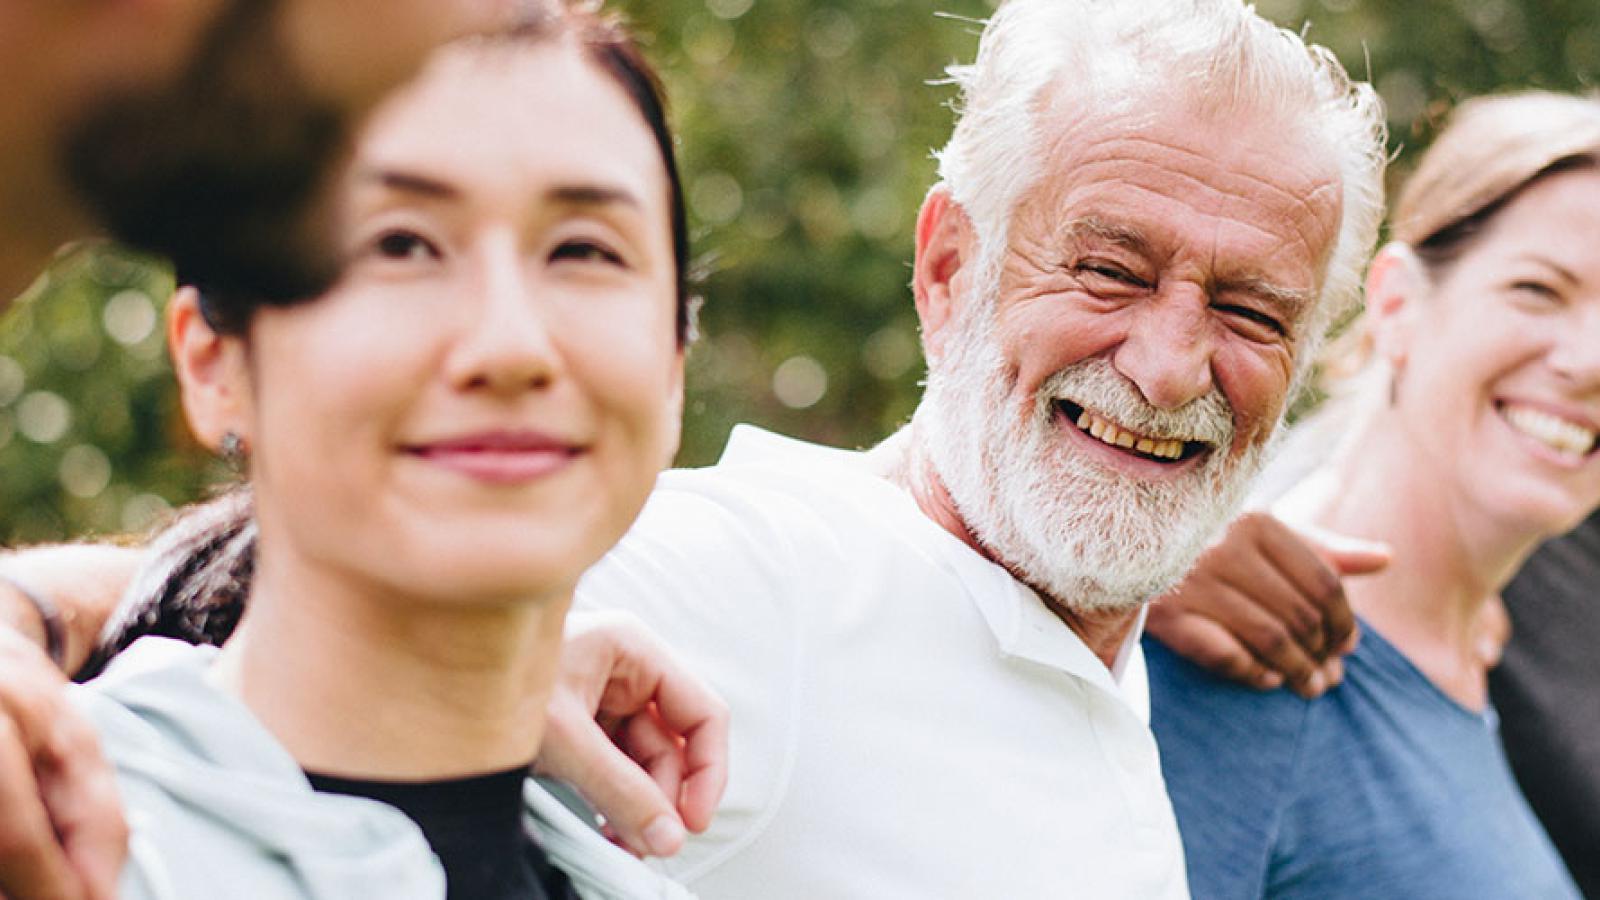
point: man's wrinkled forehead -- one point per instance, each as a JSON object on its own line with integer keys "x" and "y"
{"x": 1248, "y": 165}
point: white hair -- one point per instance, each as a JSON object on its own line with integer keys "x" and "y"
{"x": 1113, "y": 53}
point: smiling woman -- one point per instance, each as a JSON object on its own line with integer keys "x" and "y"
{"x": 438, "y": 447}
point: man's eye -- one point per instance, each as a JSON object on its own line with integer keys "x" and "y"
{"x": 405, "y": 245}
{"x": 1255, "y": 317}
{"x": 1111, "y": 272}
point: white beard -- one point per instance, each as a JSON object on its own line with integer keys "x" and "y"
{"x": 1087, "y": 537}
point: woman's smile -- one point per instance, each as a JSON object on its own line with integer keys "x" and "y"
{"x": 501, "y": 456}
{"x": 1562, "y": 437}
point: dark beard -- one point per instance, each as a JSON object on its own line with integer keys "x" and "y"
{"x": 224, "y": 170}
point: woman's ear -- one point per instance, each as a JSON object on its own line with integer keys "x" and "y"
{"x": 212, "y": 372}
{"x": 1396, "y": 286}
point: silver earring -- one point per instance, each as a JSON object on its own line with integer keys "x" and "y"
{"x": 233, "y": 450}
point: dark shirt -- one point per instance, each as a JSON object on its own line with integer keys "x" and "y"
{"x": 477, "y": 828}
{"x": 1547, "y": 690}
{"x": 1383, "y": 788}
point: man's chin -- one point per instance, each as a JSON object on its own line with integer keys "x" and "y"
{"x": 1096, "y": 595}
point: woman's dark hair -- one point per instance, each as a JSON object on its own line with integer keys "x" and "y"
{"x": 193, "y": 584}
{"x": 197, "y": 579}
{"x": 609, "y": 45}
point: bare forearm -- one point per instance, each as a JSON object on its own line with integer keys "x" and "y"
{"x": 83, "y": 581}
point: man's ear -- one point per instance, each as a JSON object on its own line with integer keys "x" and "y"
{"x": 944, "y": 248}
{"x": 212, "y": 372}
{"x": 1396, "y": 285}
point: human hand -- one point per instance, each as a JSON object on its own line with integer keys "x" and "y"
{"x": 643, "y": 740}
{"x": 62, "y": 836}
{"x": 1266, "y": 605}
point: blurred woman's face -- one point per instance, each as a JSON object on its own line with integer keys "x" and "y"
{"x": 1501, "y": 380}
{"x": 481, "y": 406}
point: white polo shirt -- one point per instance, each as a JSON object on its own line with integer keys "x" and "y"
{"x": 908, "y": 720}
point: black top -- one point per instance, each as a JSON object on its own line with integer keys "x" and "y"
{"x": 477, "y": 829}
{"x": 1546, "y": 693}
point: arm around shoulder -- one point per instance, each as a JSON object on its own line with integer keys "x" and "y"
{"x": 80, "y": 583}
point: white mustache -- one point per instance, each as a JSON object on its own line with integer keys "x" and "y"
{"x": 1097, "y": 386}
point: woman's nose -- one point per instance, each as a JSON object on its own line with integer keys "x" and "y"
{"x": 1576, "y": 354}
{"x": 506, "y": 342}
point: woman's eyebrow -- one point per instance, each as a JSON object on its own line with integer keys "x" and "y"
{"x": 410, "y": 183}
{"x": 591, "y": 195}
{"x": 1561, "y": 271}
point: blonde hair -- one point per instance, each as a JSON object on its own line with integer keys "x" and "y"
{"x": 1112, "y": 53}
{"x": 1492, "y": 148}
{"x": 1490, "y": 151}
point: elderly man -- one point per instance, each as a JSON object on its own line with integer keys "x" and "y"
{"x": 1148, "y": 214}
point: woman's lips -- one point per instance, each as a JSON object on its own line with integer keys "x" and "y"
{"x": 499, "y": 457}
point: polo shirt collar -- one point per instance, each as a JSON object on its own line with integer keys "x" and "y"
{"x": 1025, "y": 628}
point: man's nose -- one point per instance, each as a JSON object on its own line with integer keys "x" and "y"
{"x": 506, "y": 342}
{"x": 1167, "y": 350}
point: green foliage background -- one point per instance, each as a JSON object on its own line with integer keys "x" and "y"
{"x": 806, "y": 129}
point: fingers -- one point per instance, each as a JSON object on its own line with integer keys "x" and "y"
{"x": 1344, "y": 556}
{"x": 1270, "y": 593}
{"x": 1240, "y": 585}
{"x": 698, "y": 718}
{"x": 637, "y": 811}
{"x": 1348, "y": 555}
{"x": 646, "y": 677}
{"x": 648, "y": 742}
{"x": 664, "y": 764}
{"x": 1258, "y": 576}
{"x": 1316, "y": 584}
{"x": 1210, "y": 646}
{"x": 1258, "y": 621}
{"x": 86, "y": 807}
{"x": 32, "y": 863}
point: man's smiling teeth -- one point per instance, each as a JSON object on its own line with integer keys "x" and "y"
{"x": 1563, "y": 435}
{"x": 1110, "y": 433}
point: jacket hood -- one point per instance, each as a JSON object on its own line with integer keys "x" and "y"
{"x": 204, "y": 765}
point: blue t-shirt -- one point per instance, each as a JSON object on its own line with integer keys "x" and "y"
{"x": 1383, "y": 788}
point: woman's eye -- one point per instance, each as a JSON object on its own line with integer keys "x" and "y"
{"x": 1254, "y": 320}
{"x": 586, "y": 251}
{"x": 1537, "y": 290}
{"x": 405, "y": 246}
